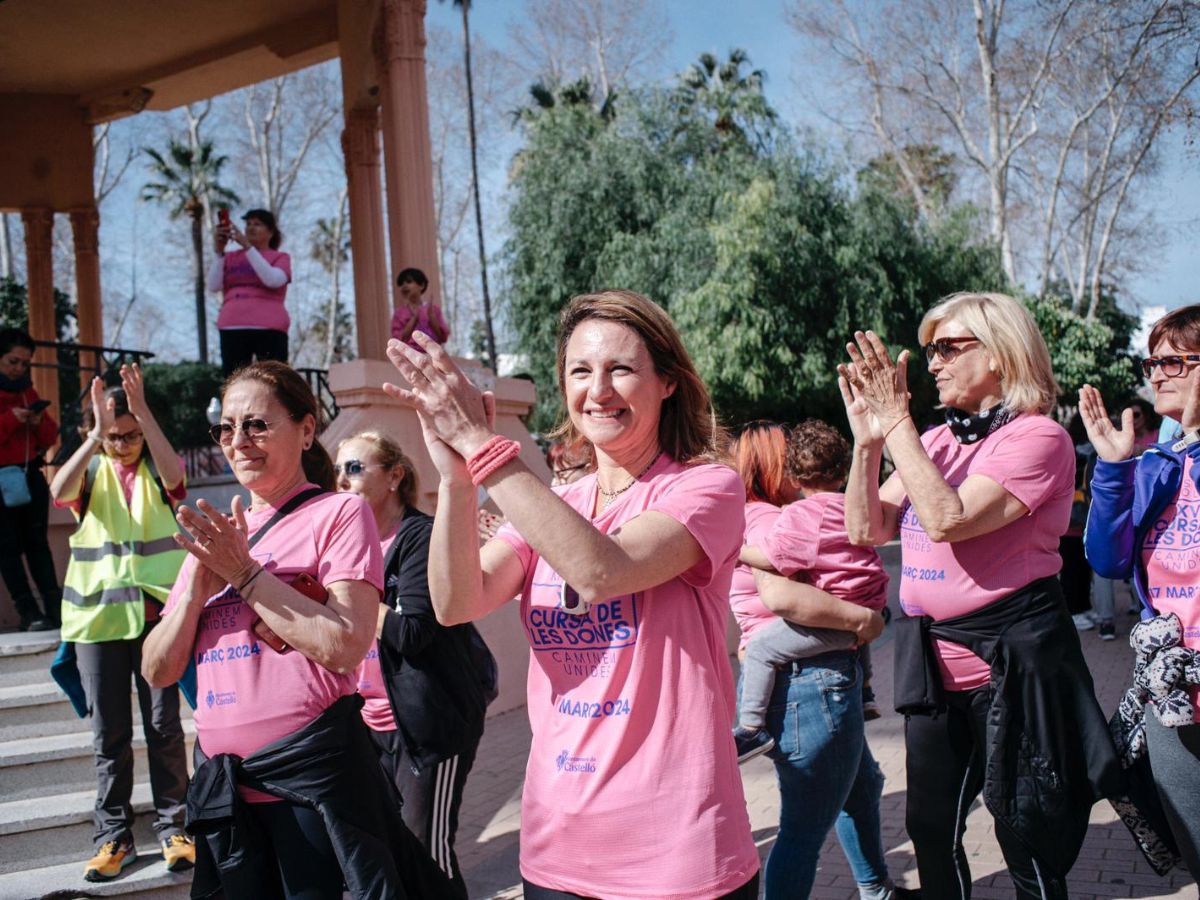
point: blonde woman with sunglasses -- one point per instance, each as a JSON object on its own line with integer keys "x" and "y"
{"x": 989, "y": 671}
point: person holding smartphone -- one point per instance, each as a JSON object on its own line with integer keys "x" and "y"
{"x": 254, "y": 321}
{"x": 27, "y": 431}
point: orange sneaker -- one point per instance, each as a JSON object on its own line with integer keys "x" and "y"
{"x": 110, "y": 860}
{"x": 179, "y": 851}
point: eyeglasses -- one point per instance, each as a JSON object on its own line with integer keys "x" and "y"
{"x": 353, "y": 468}
{"x": 129, "y": 437}
{"x": 946, "y": 348}
{"x": 1172, "y": 366}
{"x": 254, "y": 429}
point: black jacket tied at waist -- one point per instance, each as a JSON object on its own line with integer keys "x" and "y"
{"x": 1048, "y": 754}
{"x": 328, "y": 765}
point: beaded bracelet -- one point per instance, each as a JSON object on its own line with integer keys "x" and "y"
{"x": 493, "y": 455}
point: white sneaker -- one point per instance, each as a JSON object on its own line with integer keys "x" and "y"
{"x": 1083, "y": 621}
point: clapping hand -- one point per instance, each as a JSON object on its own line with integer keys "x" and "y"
{"x": 219, "y": 543}
{"x": 135, "y": 391}
{"x": 874, "y": 389}
{"x": 103, "y": 410}
{"x": 1113, "y": 443}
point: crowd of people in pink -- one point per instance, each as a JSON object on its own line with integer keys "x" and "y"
{"x": 324, "y": 632}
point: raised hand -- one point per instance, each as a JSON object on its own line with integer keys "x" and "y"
{"x": 103, "y": 413}
{"x": 454, "y": 410}
{"x": 864, "y": 426}
{"x": 1112, "y": 444}
{"x": 135, "y": 391}
{"x": 881, "y": 383}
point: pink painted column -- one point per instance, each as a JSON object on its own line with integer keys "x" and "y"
{"x": 85, "y": 229}
{"x": 372, "y": 299}
{"x": 412, "y": 223}
{"x": 39, "y": 225}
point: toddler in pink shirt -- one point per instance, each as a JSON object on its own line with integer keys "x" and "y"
{"x": 808, "y": 538}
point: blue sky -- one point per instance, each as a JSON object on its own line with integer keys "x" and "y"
{"x": 1171, "y": 279}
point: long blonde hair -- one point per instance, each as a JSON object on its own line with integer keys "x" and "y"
{"x": 1007, "y": 330}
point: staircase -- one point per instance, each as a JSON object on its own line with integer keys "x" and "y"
{"x": 48, "y": 788}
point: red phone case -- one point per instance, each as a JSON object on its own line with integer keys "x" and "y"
{"x": 310, "y": 588}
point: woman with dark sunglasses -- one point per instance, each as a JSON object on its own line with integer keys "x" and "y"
{"x": 1143, "y": 523}
{"x": 989, "y": 671}
{"x": 426, "y": 686}
{"x": 276, "y": 607}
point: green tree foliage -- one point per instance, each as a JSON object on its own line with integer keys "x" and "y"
{"x": 14, "y": 308}
{"x": 1089, "y": 351}
{"x": 179, "y": 394}
{"x": 758, "y": 248}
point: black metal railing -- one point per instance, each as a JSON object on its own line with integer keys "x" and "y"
{"x": 318, "y": 383}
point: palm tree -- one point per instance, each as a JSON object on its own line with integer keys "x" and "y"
{"x": 329, "y": 245}
{"x": 465, "y": 7}
{"x": 186, "y": 183}
{"x": 731, "y": 100}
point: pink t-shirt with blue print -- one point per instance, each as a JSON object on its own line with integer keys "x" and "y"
{"x": 1171, "y": 556}
{"x": 632, "y": 787}
{"x": 248, "y": 694}
{"x": 748, "y": 609}
{"x": 1033, "y": 459}
{"x": 377, "y": 709}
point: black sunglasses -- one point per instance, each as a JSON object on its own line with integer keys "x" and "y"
{"x": 352, "y": 467}
{"x": 1172, "y": 366}
{"x": 946, "y": 348}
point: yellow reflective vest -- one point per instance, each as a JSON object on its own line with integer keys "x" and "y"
{"x": 119, "y": 550}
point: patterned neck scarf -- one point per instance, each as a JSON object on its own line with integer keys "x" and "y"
{"x": 971, "y": 429}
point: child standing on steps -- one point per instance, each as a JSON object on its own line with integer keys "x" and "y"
{"x": 413, "y": 314}
{"x": 808, "y": 539}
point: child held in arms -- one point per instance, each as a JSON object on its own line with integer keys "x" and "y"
{"x": 809, "y": 541}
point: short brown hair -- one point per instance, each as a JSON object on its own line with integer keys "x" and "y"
{"x": 760, "y": 457}
{"x": 687, "y": 425}
{"x": 392, "y": 457}
{"x": 293, "y": 393}
{"x": 817, "y": 455}
{"x": 1180, "y": 326}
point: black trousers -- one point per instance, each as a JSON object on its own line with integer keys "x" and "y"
{"x": 945, "y": 764}
{"x": 431, "y": 798}
{"x": 748, "y": 891}
{"x": 308, "y": 865}
{"x": 1076, "y": 574}
{"x": 242, "y": 346}
{"x": 23, "y": 539}
{"x": 106, "y": 669}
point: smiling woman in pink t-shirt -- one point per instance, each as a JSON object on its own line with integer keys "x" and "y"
{"x": 632, "y": 788}
{"x": 980, "y": 503}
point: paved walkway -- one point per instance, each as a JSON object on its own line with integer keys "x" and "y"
{"x": 1109, "y": 865}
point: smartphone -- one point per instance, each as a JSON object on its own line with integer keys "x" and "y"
{"x": 38, "y": 406}
{"x": 223, "y": 215}
{"x": 310, "y": 588}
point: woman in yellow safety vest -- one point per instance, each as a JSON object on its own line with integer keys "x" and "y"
{"x": 123, "y": 562}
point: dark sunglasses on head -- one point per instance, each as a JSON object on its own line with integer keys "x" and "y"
{"x": 352, "y": 467}
{"x": 946, "y": 348}
{"x": 1172, "y": 366}
{"x": 251, "y": 428}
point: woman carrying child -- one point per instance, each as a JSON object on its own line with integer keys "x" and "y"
{"x": 811, "y": 718}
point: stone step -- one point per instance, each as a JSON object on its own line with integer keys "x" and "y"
{"x": 26, "y": 656}
{"x": 52, "y": 764}
{"x": 40, "y": 709}
{"x": 54, "y": 829}
{"x": 146, "y": 879}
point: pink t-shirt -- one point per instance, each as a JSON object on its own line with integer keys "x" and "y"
{"x": 810, "y": 538}
{"x": 748, "y": 608}
{"x": 1032, "y": 458}
{"x": 1170, "y": 555}
{"x": 249, "y": 694}
{"x": 377, "y": 709}
{"x": 248, "y": 302}
{"x": 427, "y": 315}
{"x": 632, "y": 787}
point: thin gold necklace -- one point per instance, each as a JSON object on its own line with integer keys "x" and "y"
{"x": 610, "y": 496}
